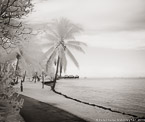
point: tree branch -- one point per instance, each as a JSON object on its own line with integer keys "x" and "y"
{"x": 7, "y": 6}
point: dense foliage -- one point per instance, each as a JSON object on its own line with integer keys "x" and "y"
{"x": 11, "y": 28}
{"x": 12, "y": 33}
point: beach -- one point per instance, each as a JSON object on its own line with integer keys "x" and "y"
{"x": 107, "y": 95}
{"x": 72, "y": 61}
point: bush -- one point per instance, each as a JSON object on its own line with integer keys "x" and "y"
{"x": 10, "y": 102}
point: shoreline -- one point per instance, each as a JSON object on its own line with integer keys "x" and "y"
{"x": 91, "y": 114}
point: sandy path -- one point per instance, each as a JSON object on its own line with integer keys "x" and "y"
{"x": 36, "y": 111}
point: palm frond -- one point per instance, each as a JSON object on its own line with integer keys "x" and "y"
{"x": 63, "y": 28}
{"x": 29, "y": 63}
{"x": 51, "y": 59}
{"x": 48, "y": 52}
{"x": 77, "y": 43}
{"x": 51, "y": 37}
{"x": 71, "y": 31}
{"x": 48, "y": 44}
{"x": 63, "y": 61}
{"x": 53, "y": 29}
{"x": 76, "y": 47}
{"x": 72, "y": 57}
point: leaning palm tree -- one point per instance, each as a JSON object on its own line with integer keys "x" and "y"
{"x": 61, "y": 35}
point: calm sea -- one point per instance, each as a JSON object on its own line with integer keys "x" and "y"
{"x": 125, "y": 95}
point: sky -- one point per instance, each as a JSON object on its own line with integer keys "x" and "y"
{"x": 114, "y": 31}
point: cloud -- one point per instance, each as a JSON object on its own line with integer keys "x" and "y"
{"x": 107, "y": 23}
{"x": 93, "y": 14}
{"x": 116, "y": 40}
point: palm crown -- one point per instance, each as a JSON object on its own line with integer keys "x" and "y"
{"x": 60, "y": 34}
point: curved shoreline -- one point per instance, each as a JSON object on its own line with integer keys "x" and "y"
{"x": 88, "y": 113}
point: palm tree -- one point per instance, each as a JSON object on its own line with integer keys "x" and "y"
{"x": 18, "y": 56}
{"x": 61, "y": 36}
{"x": 27, "y": 56}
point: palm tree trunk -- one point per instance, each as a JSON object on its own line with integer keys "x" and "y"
{"x": 24, "y": 76}
{"x": 60, "y": 70}
{"x": 23, "y": 81}
{"x": 55, "y": 78}
{"x": 17, "y": 64}
{"x": 17, "y": 78}
{"x": 42, "y": 80}
{"x": 35, "y": 77}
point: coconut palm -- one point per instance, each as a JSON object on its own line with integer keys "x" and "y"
{"x": 27, "y": 56}
{"x": 30, "y": 54}
{"x": 61, "y": 35}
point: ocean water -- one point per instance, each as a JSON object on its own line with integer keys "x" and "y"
{"x": 125, "y": 95}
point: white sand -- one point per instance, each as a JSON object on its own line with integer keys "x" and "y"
{"x": 92, "y": 114}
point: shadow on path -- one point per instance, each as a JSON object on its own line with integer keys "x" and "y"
{"x": 36, "y": 111}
